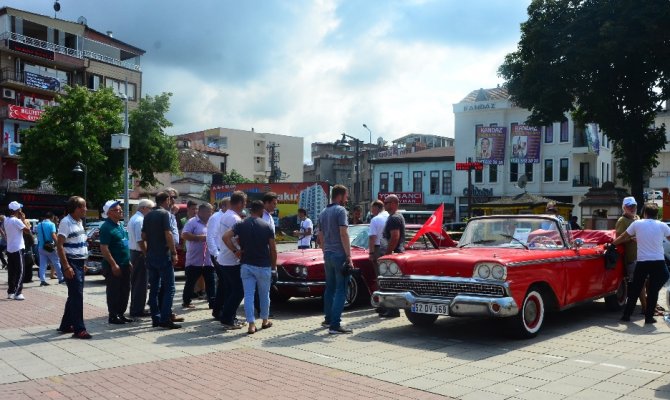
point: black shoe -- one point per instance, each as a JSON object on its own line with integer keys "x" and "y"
{"x": 69, "y": 329}
{"x": 43, "y": 283}
{"x": 169, "y": 325}
{"x": 116, "y": 321}
{"x": 154, "y": 324}
{"x": 650, "y": 320}
{"x": 126, "y": 319}
{"x": 625, "y": 318}
{"x": 389, "y": 313}
{"x": 339, "y": 330}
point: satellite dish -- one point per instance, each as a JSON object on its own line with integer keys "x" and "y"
{"x": 81, "y": 20}
{"x": 522, "y": 182}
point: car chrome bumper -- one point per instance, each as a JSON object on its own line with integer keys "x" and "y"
{"x": 460, "y": 305}
{"x": 300, "y": 283}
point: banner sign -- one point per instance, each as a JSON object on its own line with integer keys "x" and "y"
{"x": 42, "y": 82}
{"x": 465, "y": 166}
{"x": 404, "y": 197}
{"x": 31, "y": 50}
{"x": 490, "y": 144}
{"x": 591, "y": 132}
{"x": 525, "y": 144}
{"x": 24, "y": 114}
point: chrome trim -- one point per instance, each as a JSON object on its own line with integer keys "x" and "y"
{"x": 552, "y": 260}
{"x": 300, "y": 284}
{"x": 460, "y": 306}
{"x": 446, "y": 279}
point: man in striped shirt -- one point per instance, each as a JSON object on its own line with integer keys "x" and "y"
{"x": 73, "y": 251}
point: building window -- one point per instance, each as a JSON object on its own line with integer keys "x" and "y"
{"x": 493, "y": 173}
{"x": 563, "y": 170}
{"x": 434, "y": 182}
{"x": 529, "y": 172}
{"x": 479, "y": 176}
{"x": 446, "y": 183}
{"x": 548, "y": 170}
{"x": 417, "y": 177}
{"x": 119, "y": 87}
{"x": 549, "y": 133}
{"x": 94, "y": 82}
{"x": 223, "y": 167}
{"x": 564, "y": 131}
{"x": 513, "y": 172}
{"x": 397, "y": 181}
{"x": 383, "y": 182}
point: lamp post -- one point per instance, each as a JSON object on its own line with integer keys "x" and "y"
{"x": 357, "y": 187}
{"x": 79, "y": 168}
{"x": 366, "y": 127}
{"x": 125, "y": 161}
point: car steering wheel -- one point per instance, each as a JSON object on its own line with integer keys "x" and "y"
{"x": 542, "y": 240}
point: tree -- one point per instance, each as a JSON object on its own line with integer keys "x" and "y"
{"x": 234, "y": 177}
{"x": 604, "y": 61}
{"x": 79, "y": 129}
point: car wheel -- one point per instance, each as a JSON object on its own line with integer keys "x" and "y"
{"x": 353, "y": 291}
{"x": 420, "y": 319}
{"x": 616, "y": 301}
{"x": 528, "y": 322}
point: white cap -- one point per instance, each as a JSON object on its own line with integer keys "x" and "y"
{"x": 109, "y": 204}
{"x": 629, "y": 201}
{"x": 15, "y": 206}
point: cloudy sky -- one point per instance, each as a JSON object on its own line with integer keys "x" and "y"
{"x": 310, "y": 68}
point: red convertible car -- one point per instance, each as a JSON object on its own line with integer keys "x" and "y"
{"x": 301, "y": 273}
{"x": 514, "y": 267}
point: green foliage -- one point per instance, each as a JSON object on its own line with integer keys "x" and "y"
{"x": 604, "y": 61}
{"x": 234, "y": 177}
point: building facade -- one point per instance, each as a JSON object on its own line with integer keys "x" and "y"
{"x": 39, "y": 56}
{"x": 250, "y": 153}
{"x": 560, "y": 161}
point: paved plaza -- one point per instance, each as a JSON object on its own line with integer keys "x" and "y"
{"x": 582, "y": 353}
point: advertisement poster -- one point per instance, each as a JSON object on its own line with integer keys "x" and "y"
{"x": 312, "y": 196}
{"x": 525, "y": 144}
{"x": 591, "y": 132}
{"x": 490, "y": 144}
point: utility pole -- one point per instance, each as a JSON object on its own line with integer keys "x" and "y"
{"x": 275, "y": 172}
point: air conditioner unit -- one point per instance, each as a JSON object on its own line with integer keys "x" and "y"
{"x": 8, "y": 94}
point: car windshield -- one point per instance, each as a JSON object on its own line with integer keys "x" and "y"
{"x": 358, "y": 236}
{"x": 521, "y": 232}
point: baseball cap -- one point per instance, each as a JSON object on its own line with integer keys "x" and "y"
{"x": 629, "y": 201}
{"x": 109, "y": 204}
{"x": 15, "y": 205}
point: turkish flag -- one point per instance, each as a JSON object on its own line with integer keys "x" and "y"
{"x": 434, "y": 224}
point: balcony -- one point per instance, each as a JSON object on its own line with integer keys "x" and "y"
{"x": 30, "y": 81}
{"x": 7, "y": 38}
{"x": 585, "y": 181}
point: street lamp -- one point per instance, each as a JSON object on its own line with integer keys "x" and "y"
{"x": 366, "y": 127}
{"x": 79, "y": 168}
{"x": 121, "y": 141}
{"x": 357, "y": 187}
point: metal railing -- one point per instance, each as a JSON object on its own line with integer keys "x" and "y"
{"x": 585, "y": 180}
{"x": 9, "y": 74}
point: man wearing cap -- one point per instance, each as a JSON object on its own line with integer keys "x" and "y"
{"x": 15, "y": 226}
{"x": 552, "y": 210}
{"x": 629, "y": 208}
{"x": 115, "y": 262}
{"x": 138, "y": 274}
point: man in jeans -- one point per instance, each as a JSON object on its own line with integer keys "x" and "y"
{"x": 160, "y": 260}
{"x": 73, "y": 252}
{"x": 46, "y": 234}
{"x": 334, "y": 237}
{"x": 228, "y": 269}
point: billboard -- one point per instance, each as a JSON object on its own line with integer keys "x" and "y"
{"x": 312, "y": 196}
{"x": 490, "y": 144}
{"x": 525, "y": 144}
{"x": 591, "y": 132}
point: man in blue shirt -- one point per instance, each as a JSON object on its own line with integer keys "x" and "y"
{"x": 46, "y": 237}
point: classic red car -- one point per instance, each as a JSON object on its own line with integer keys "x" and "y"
{"x": 301, "y": 272}
{"x": 515, "y": 267}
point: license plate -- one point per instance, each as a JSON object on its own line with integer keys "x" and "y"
{"x": 430, "y": 308}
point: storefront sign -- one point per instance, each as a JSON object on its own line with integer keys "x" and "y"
{"x": 490, "y": 144}
{"x": 404, "y": 197}
{"x": 25, "y": 114}
{"x": 465, "y": 166}
{"x": 525, "y": 144}
{"x": 31, "y": 50}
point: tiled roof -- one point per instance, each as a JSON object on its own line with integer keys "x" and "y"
{"x": 191, "y": 160}
{"x": 497, "y": 93}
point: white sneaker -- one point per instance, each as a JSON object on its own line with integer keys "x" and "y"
{"x": 19, "y": 297}
{"x": 10, "y": 296}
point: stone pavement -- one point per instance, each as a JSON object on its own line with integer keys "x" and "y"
{"x": 582, "y": 353}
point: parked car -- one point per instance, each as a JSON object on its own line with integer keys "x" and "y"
{"x": 514, "y": 267}
{"x": 301, "y": 272}
{"x": 94, "y": 261}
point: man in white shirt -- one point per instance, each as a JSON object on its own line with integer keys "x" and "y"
{"x": 376, "y": 230}
{"x": 304, "y": 234}
{"x": 214, "y": 243}
{"x": 228, "y": 267}
{"x": 269, "y": 206}
{"x": 138, "y": 275}
{"x": 15, "y": 226}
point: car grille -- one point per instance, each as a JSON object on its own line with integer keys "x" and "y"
{"x": 441, "y": 288}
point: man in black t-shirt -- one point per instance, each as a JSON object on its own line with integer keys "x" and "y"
{"x": 394, "y": 235}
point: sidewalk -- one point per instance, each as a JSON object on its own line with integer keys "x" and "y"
{"x": 137, "y": 361}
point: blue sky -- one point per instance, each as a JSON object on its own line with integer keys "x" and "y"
{"x": 310, "y": 68}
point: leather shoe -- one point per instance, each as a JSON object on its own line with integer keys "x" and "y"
{"x": 169, "y": 325}
{"x": 116, "y": 321}
{"x": 175, "y": 318}
{"x": 126, "y": 319}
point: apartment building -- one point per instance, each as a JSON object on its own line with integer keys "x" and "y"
{"x": 560, "y": 161}
{"x": 39, "y": 56}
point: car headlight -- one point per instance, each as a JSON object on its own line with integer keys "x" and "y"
{"x": 490, "y": 271}
{"x": 383, "y": 268}
{"x": 388, "y": 268}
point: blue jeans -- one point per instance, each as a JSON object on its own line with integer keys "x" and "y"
{"x": 74, "y": 306}
{"x": 336, "y": 288}
{"x": 161, "y": 278}
{"x": 252, "y": 275}
{"x": 49, "y": 257}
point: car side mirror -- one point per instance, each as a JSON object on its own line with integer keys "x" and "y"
{"x": 578, "y": 243}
